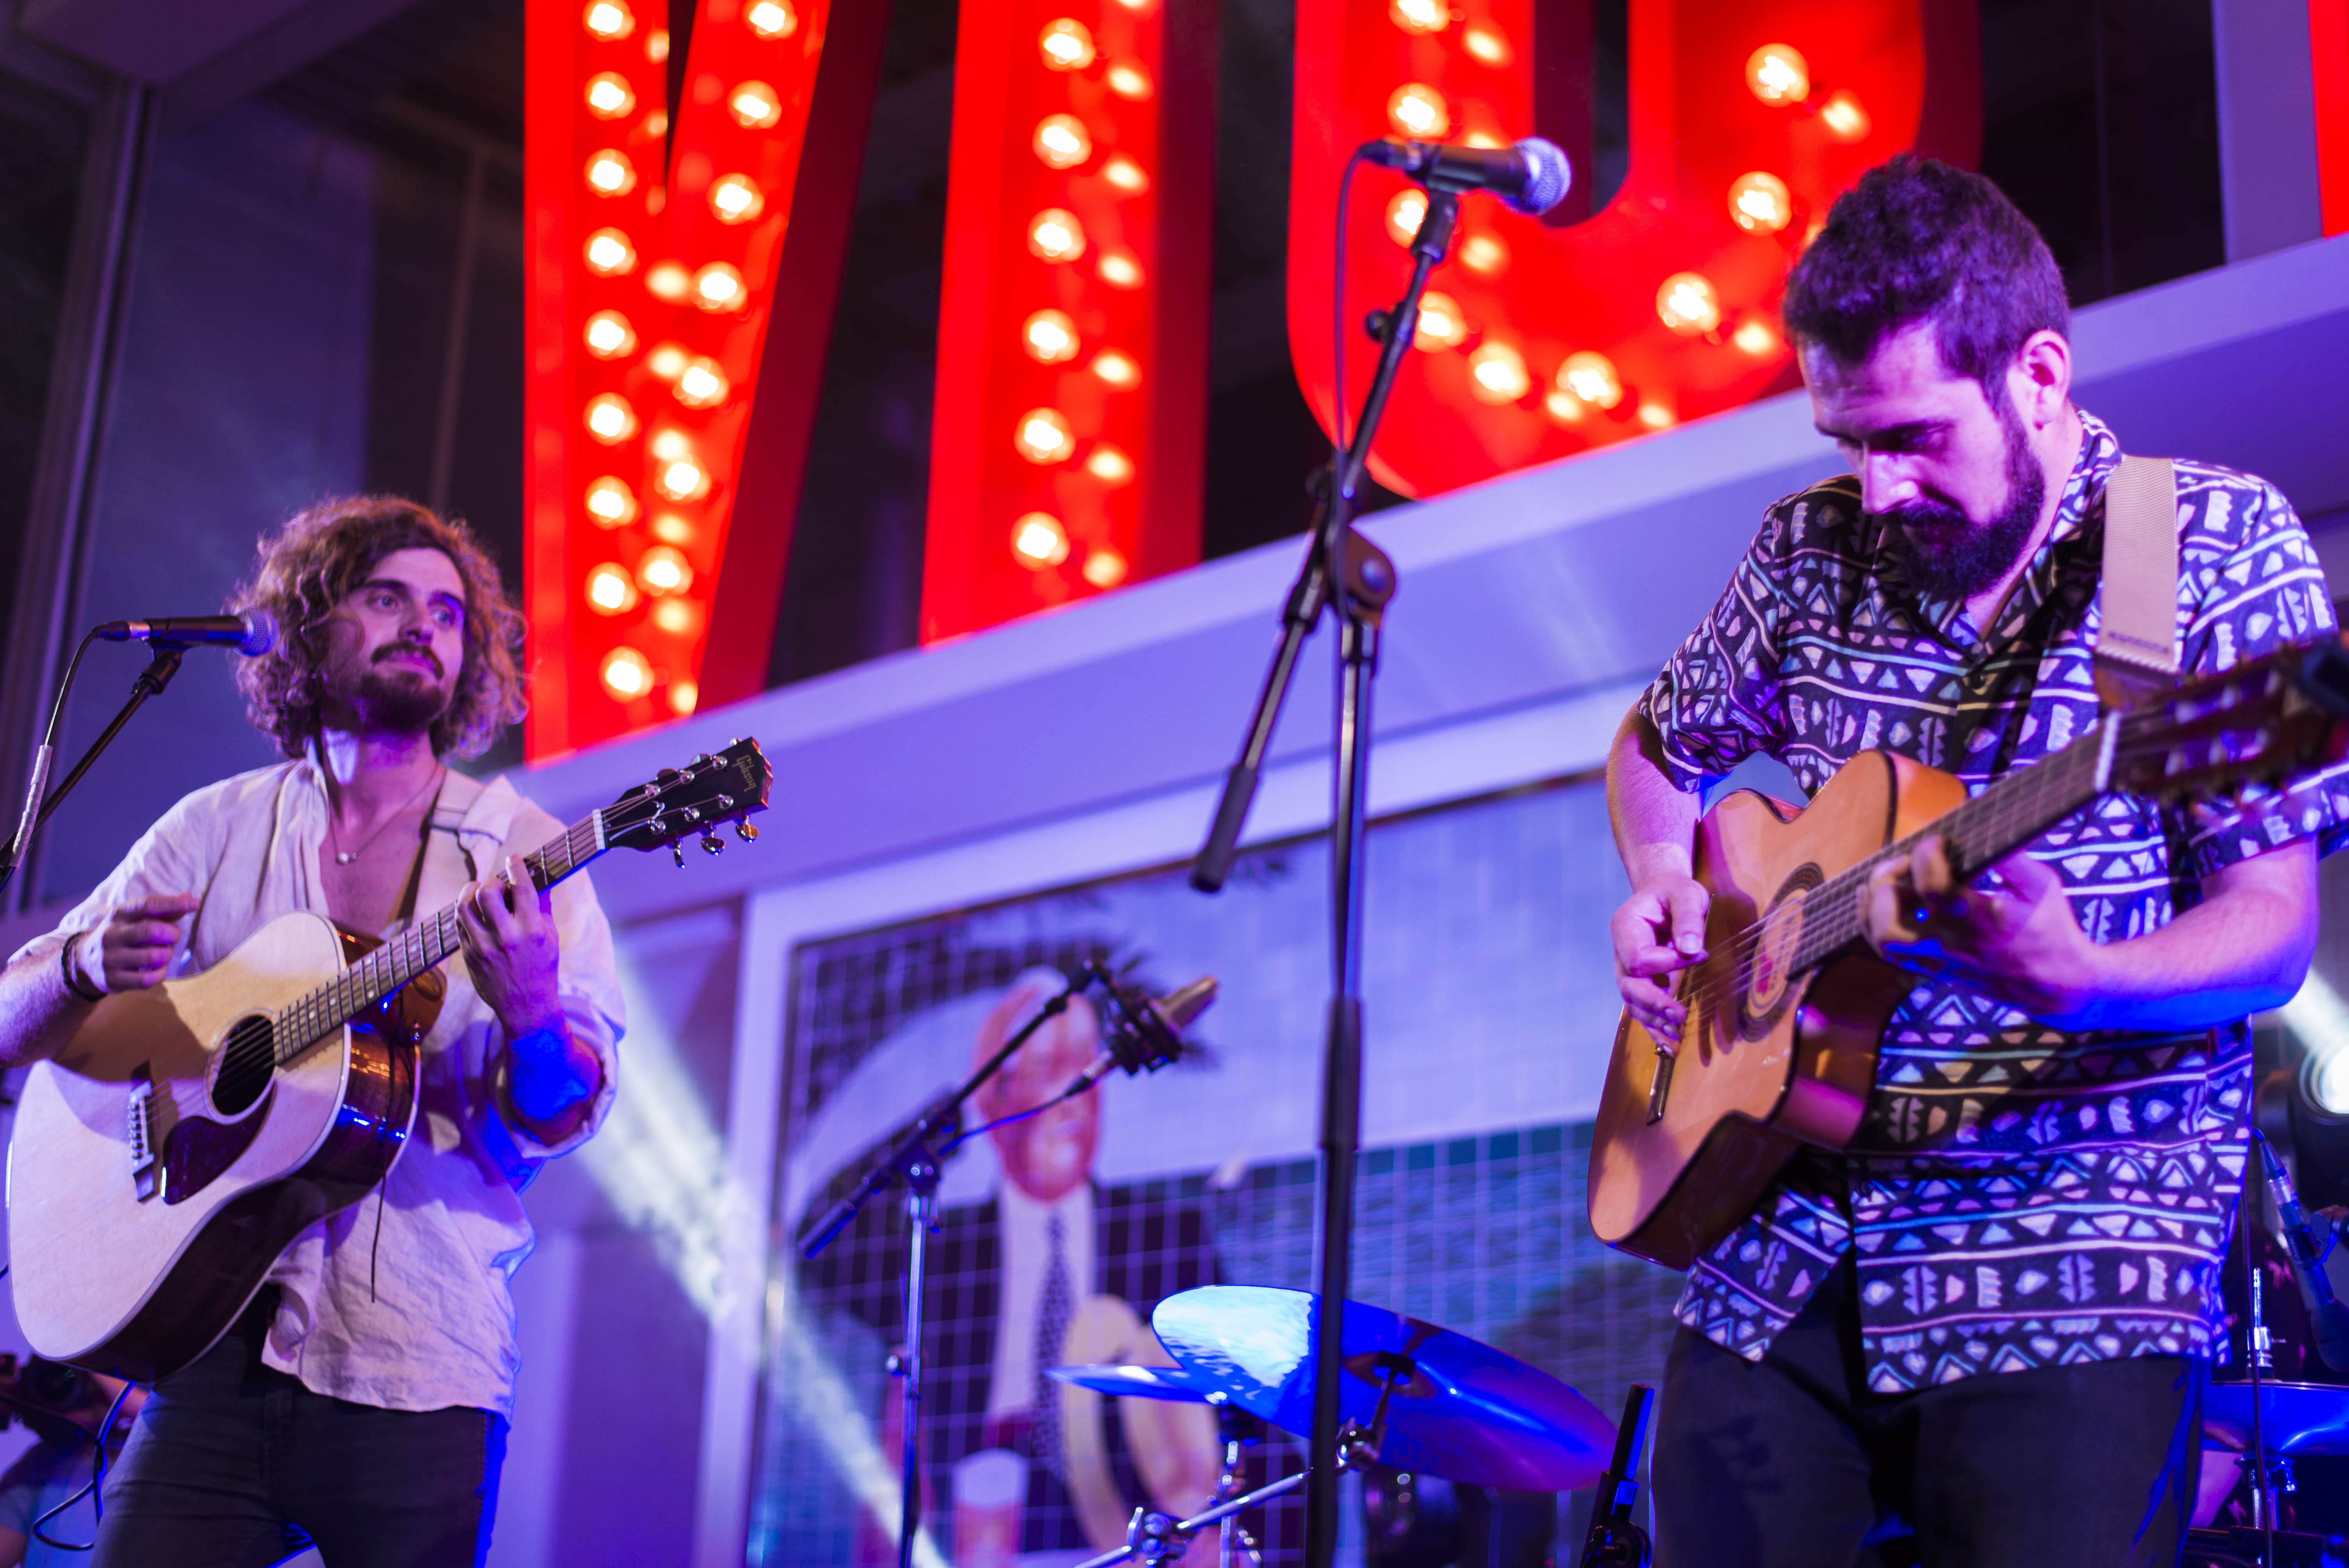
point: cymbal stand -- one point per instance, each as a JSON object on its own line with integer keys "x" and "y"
{"x": 2261, "y": 1353}
{"x": 1343, "y": 571}
{"x": 1613, "y": 1540}
{"x": 1238, "y": 1431}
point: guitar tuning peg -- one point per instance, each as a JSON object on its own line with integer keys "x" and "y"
{"x": 711, "y": 844}
{"x": 676, "y": 852}
{"x": 744, "y": 831}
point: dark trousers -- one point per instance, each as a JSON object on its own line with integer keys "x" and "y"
{"x": 1790, "y": 1463}
{"x": 234, "y": 1465}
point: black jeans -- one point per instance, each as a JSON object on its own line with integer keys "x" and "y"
{"x": 1790, "y": 1463}
{"x": 234, "y": 1465}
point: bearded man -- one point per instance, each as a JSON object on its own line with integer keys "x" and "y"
{"x": 1979, "y": 1337}
{"x": 360, "y": 1402}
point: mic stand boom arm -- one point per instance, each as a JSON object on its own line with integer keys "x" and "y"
{"x": 160, "y": 668}
{"x": 1344, "y": 571}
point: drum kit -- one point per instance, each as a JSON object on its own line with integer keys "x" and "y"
{"x": 1417, "y": 1399}
{"x": 2295, "y": 1420}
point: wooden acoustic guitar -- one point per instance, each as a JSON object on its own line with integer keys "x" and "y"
{"x": 1779, "y": 1047}
{"x": 190, "y": 1132}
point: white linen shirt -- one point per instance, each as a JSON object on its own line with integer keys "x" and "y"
{"x": 419, "y": 1318}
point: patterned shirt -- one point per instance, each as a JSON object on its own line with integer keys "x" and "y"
{"x": 2016, "y": 1196}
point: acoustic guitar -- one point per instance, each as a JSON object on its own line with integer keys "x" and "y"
{"x": 190, "y": 1130}
{"x": 1778, "y": 1050}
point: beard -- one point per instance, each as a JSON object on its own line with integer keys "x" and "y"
{"x": 1946, "y": 554}
{"x": 398, "y": 700}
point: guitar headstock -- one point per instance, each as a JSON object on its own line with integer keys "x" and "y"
{"x": 2260, "y": 723}
{"x": 697, "y": 797}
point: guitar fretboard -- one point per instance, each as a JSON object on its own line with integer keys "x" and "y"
{"x": 363, "y": 984}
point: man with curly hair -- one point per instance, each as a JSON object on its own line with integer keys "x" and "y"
{"x": 360, "y": 1402}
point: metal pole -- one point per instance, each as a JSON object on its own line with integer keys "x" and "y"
{"x": 921, "y": 1204}
{"x": 460, "y": 322}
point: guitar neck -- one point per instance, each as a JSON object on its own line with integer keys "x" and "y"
{"x": 1978, "y": 834}
{"x": 366, "y": 983}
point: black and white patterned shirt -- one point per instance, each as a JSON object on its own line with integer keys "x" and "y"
{"x": 2016, "y": 1196}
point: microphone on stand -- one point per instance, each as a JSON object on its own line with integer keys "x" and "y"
{"x": 2308, "y": 1241}
{"x": 1532, "y": 177}
{"x": 1146, "y": 1032}
{"x": 249, "y": 632}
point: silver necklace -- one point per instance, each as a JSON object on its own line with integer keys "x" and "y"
{"x": 343, "y": 857}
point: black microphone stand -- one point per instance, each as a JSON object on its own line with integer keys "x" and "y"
{"x": 1344, "y": 571}
{"x": 915, "y": 1161}
{"x": 150, "y": 682}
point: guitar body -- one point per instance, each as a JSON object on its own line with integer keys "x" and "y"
{"x": 146, "y": 1204}
{"x": 1769, "y": 1061}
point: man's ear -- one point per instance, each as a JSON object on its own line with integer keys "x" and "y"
{"x": 2039, "y": 381}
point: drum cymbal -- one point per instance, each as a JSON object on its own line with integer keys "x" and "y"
{"x": 1467, "y": 1413}
{"x": 2299, "y": 1418}
{"x": 1139, "y": 1382}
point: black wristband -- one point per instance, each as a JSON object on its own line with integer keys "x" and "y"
{"x": 76, "y": 981}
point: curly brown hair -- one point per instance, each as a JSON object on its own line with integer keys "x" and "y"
{"x": 303, "y": 572}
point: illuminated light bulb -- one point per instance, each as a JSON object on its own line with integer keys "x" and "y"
{"x": 1592, "y": 379}
{"x": 609, "y": 335}
{"x": 627, "y": 674}
{"x": 718, "y": 287}
{"x": 1687, "y": 303}
{"x": 671, "y": 529}
{"x": 1481, "y": 139}
{"x": 609, "y": 591}
{"x": 1779, "y": 75}
{"x": 657, "y": 47}
{"x": 1050, "y": 337}
{"x": 1061, "y": 142}
{"x": 670, "y": 445}
{"x": 1843, "y": 114}
{"x": 679, "y": 617}
{"x": 771, "y": 19}
{"x": 609, "y": 418}
{"x": 1655, "y": 416}
{"x": 667, "y": 360}
{"x": 610, "y": 503}
{"x": 664, "y": 571}
{"x": 609, "y": 96}
{"x": 702, "y": 383}
{"x": 1760, "y": 203}
{"x": 735, "y": 199}
{"x": 609, "y": 254}
{"x": 1485, "y": 256}
{"x": 683, "y": 480}
{"x": 1039, "y": 540}
{"x": 1755, "y": 338}
{"x": 1067, "y": 45}
{"x": 1420, "y": 17}
{"x": 608, "y": 21}
{"x": 1104, "y": 567}
{"x": 669, "y": 281}
{"x": 1055, "y": 235}
{"x": 1136, "y": 5}
{"x": 1418, "y": 111}
{"x": 1128, "y": 81}
{"x": 755, "y": 105}
{"x": 1126, "y": 175}
{"x": 1496, "y": 374}
{"x": 683, "y": 697}
{"x": 609, "y": 172}
{"x": 1405, "y": 213}
{"x": 1120, "y": 270}
{"x": 1486, "y": 45}
{"x": 1563, "y": 406}
{"x": 1109, "y": 465}
{"x": 1441, "y": 322}
{"x": 657, "y": 199}
{"x": 1043, "y": 436}
{"x": 1117, "y": 369}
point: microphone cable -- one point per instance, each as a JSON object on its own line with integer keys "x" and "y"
{"x": 90, "y": 1488}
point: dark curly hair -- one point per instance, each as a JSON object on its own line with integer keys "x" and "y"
{"x": 1917, "y": 239}
{"x": 306, "y": 567}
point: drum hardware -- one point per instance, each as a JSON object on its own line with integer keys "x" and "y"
{"x": 1613, "y": 1540}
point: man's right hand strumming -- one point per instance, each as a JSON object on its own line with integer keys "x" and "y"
{"x": 1659, "y": 930}
{"x": 133, "y": 949}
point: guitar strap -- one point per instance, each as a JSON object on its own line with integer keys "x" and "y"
{"x": 2136, "y": 637}
{"x": 456, "y": 796}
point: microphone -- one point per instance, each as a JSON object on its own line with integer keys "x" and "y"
{"x": 1147, "y": 1033}
{"x": 249, "y": 632}
{"x": 1532, "y": 177}
{"x": 2330, "y": 1318}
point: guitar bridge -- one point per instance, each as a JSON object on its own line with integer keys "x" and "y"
{"x": 146, "y": 1172}
{"x": 1659, "y": 1088}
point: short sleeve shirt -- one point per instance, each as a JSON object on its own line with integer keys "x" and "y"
{"x": 2016, "y": 1196}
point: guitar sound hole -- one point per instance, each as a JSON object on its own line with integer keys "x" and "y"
{"x": 248, "y": 1059}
